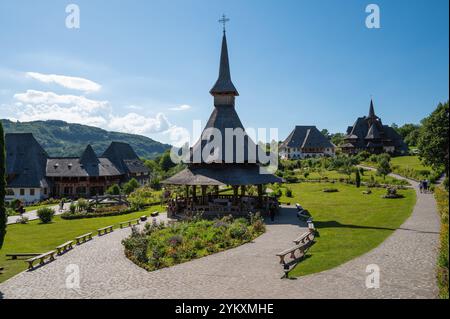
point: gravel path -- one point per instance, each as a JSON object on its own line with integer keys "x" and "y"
{"x": 406, "y": 261}
{"x": 32, "y": 215}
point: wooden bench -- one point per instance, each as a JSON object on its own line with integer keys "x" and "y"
{"x": 64, "y": 247}
{"x": 83, "y": 238}
{"x": 154, "y": 214}
{"x": 129, "y": 222}
{"x": 105, "y": 230}
{"x": 301, "y": 248}
{"x": 304, "y": 238}
{"x": 50, "y": 255}
{"x": 17, "y": 255}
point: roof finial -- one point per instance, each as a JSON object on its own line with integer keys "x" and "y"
{"x": 371, "y": 109}
{"x": 224, "y": 20}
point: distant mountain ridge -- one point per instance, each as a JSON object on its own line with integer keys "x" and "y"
{"x": 60, "y": 138}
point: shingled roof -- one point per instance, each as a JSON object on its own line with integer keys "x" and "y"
{"x": 124, "y": 158}
{"x": 88, "y": 164}
{"x": 220, "y": 169}
{"x": 306, "y": 136}
{"x": 73, "y": 167}
{"x": 224, "y": 85}
{"x": 89, "y": 156}
{"x": 215, "y": 174}
{"x": 25, "y": 161}
{"x": 373, "y": 133}
{"x": 369, "y": 132}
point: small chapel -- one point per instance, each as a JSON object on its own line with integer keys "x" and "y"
{"x": 241, "y": 172}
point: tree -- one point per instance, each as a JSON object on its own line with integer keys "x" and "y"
{"x": 325, "y": 133}
{"x": 413, "y": 138}
{"x": 130, "y": 186}
{"x": 166, "y": 162}
{"x": 337, "y": 138}
{"x": 3, "y": 217}
{"x": 410, "y": 133}
{"x": 384, "y": 167}
{"x": 358, "y": 179}
{"x": 433, "y": 140}
{"x": 113, "y": 190}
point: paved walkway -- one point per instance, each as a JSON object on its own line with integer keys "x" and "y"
{"x": 32, "y": 215}
{"x": 406, "y": 260}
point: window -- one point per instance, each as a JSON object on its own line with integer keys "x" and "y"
{"x": 31, "y": 191}
{"x": 22, "y": 192}
{"x": 45, "y": 191}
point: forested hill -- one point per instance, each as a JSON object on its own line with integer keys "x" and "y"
{"x": 60, "y": 138}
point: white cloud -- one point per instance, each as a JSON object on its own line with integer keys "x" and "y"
{"x": 134, "y": 107}
{"x": 183, "y": 107}
{"x": 69, "y": 82}
{"x": 138, "y": 124}
{"x": 71, "y": 114}
{"x": 178, "y": 136}
{"x": 50, "y": 98}
{"x": 35, "y": 105}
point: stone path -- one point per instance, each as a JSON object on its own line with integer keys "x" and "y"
{"x": 32, "y": 215}
{"x": 406, "y": 260}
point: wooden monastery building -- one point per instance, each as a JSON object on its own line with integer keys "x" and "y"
{"x": 304, "y": 142}
{"x": 203, "y": 177}
{"x": 32, "y": 175}
{"x": 369, "y": 134}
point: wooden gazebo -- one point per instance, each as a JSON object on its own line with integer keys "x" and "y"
{"x": 237, "y": 171}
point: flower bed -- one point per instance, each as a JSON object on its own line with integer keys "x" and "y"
{"x": 159, "y": 246}
{"x": 80, "y": 215}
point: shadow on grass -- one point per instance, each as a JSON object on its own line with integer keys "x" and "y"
{"x": 336, "y": 224}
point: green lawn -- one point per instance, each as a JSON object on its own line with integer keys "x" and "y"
{"x": 349, "y": 223}
{"x": 36, "y": 207}
{"x": 335, "y": 175}
{"x": 37, "y": 237}
{"x": 412, "y": 162}
{"x": 408, "y": 166}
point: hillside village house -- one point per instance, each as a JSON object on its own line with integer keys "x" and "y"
{"x": 304, "y": 142}
{"x": 369, "y": 134}
{"x": 32, "y": 175}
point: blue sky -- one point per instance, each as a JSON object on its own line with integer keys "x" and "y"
{"x": 147, "y": 66}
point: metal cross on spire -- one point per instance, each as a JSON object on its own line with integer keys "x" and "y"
{"x": 224, "y": 20}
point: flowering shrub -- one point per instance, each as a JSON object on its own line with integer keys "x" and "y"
{"x": 165, "y": 246}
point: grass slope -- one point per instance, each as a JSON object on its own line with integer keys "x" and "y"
{"x": 412, "y": 162}
{"x": 349, "y": 223}
{"x": 37, "y": 237}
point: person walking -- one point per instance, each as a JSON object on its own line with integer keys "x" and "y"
{"x": 61, "y": 205}
{"x": 272, "y": 213}
{"x": 425, "y": 185}
{"x": 421, "y": 186}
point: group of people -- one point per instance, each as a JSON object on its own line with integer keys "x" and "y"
{"x": 424, "y": 186}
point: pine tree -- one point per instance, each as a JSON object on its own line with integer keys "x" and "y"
{"x": 3, "y": 218}
{"x": 358, "y": 179}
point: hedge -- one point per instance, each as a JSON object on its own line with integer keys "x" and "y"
{"x": 442, "y": 264}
